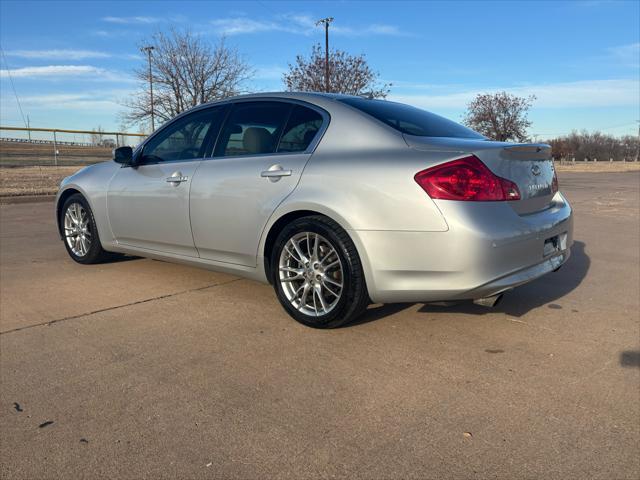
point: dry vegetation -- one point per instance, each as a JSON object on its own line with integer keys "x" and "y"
{"x": 32, "y": 180}
{"x": 13, "y": 154}
{"x": 597, "y": 166}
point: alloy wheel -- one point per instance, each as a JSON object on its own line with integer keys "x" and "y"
{"x": 77, "y": 230}
{"x": 311, "y": 274}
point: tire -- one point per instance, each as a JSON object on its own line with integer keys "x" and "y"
{"x": 81, "y": 239}
{"x": 326, "y": 266}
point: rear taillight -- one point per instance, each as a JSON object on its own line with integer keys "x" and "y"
{"x": 466, "y": 179}
{"x": 554, "y": 182}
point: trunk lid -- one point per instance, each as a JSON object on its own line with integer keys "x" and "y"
{"x": 528, "y": 165}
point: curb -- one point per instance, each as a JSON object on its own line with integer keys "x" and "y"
{"x": 26, "y": 199}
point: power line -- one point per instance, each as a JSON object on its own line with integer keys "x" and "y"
{"x": 26, "y": 124}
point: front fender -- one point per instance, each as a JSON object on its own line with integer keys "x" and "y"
{"x": 92, "y": 183}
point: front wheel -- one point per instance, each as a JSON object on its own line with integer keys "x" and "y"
{"x": 80, "y": 232}
{"x": 317, "y": 273}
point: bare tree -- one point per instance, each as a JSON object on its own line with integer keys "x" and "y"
{"x": 499, "y": 116}
{"x": 594, "y": 146}
{"x": 186, "y": 71}
{"x": 97, "y": 135}
{"x": 347, "y": 74}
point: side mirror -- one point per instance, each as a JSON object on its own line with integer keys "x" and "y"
{"x": 123, "y": 155}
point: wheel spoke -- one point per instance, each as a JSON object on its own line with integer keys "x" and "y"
{"x": 305, "y": 295}
{"x": 318, "y": 290}
{"x": 298, "y": 274}
{"x": 85, "y": 244}
{"x": 332, "y": 281}
{"x": 326, "y": 287}
{"x": 296, "y": 246}
{"x": 332, "y": 264}
{"x": 315, "y": 305}
{"x": 293, "y": 255}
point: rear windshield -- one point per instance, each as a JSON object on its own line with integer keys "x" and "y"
{"x": 411, "y": 120}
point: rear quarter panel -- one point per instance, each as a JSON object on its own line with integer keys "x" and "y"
{"x": 363, "y": 171}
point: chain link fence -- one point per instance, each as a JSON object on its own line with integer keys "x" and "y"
{"x": 22, "y": 147}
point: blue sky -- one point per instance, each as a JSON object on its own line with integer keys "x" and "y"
{"x": 71, "y": 62}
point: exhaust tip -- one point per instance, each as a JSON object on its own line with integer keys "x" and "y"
{"x": 489, "y": 301}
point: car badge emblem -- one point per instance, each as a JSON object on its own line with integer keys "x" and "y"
{"x": 535, "y": 170}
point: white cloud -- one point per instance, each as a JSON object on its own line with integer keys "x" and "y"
{"x": 85, "y": 100}
{"x": 131, "y": 20}
{"x": 242, "y": 25}
{"x": 85, "y": 72}
{"x": 52, "y": 71}
{"x": 628, "y": 55}
{"x": 588, "y": 93}
{"x": 297, "y": 24}
{"x": 58, "y": 54}
{"x": 67, "y": 54}
{"x": 269, "y": 72}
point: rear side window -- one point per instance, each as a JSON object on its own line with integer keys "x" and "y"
{"x": 253, "y": 128}
{"x": 301, "y": 129}
{"x": 411, "y": 120}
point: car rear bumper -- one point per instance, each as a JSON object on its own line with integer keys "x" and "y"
{"x": 487, "y": 250}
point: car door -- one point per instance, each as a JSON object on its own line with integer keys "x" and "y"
{"x": 260, "y": 154}
{"x": 148, "y": 204}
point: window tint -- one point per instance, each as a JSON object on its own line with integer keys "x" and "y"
{"x": 253, "y": 128}
{"x": 302, "y": 127}
{"x": 185, "y": 138}
{"x": 411, "y": 120}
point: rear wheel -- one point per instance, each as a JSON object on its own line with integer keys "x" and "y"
{"x": 317, "y": 273}
{"x": 80, "y": 232}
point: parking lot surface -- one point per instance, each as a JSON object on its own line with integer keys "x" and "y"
{"x": 144, "y": 369}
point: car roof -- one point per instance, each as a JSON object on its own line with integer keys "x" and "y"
{"x": 312, "y": 97}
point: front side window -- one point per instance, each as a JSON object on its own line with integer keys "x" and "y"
{"x": 410, "y": 120}
{"x": 253, "y": 128}
{"x": 185, "y": 139}
{"x": 301, "y": 129}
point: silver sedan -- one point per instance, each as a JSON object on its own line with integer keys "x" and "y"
{"x": 338, "y": 201}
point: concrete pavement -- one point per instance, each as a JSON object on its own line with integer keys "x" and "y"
{"x": 151, "y": 370}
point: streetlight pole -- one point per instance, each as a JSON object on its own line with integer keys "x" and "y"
{"x": 326, "y": 22}
{"x": 148, "y": 50}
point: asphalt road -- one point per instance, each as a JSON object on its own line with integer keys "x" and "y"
{"x": 143, "y": 369}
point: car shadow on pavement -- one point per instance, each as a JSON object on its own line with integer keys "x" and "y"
{"x": 377, "y": 312}
{"x": 120, "y": 257}
{"x": 547, "y": 290}
{"x": 630, "y": 358}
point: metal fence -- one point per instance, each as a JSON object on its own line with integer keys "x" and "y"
{"x": 21, "y": 146}
{"x": 578, "y": 161}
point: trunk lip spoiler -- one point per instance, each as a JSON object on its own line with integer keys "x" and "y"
{"x": 528, "y": 151}
{"x": 528, "y": 147}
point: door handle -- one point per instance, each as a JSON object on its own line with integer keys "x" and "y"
{"x": 275, "y": 172}
{"x": 176, "y": 178}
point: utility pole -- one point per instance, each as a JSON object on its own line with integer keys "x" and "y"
{"x": 29, "y": 127}
{"x": 326, "y": 22}
{"x": 148, "y": 51}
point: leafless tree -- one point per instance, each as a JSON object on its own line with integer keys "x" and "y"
{"x": 592, "y": 146}
{"x": 499, "y": 116}
{"x": 186, "y": 72}
{"x": 97, "y": 135}
{"x": 347, "y": 74}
